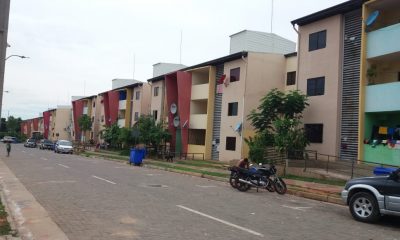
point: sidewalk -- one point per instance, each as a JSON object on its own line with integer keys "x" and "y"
{"x": 29, "y": 218}
{"x": 218, "y": 171}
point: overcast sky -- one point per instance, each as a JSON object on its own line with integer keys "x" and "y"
{"x": 79, "y": 46}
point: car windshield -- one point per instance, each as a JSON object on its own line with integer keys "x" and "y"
{"x": 47, "y": 141}
{"x": 65, "y": 143}
{"x": 31, "y": 140}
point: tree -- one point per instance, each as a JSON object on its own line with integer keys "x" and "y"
{"x": 149, "y": 132}
{"x": 13, "y": 125}
{"x": 278, "y": 123}
{"x": 111, "y": 134}
{"x": 125, "y": 137}
{"x": 85, "y": 124}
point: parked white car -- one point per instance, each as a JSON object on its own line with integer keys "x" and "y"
{"x": 63, "y": 146}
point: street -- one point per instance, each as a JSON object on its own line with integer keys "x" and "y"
{"x": 98, "y": 199}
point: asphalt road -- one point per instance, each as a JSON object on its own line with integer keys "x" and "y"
{"x": 98, "y": 199}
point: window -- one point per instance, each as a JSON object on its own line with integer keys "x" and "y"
{"x": 233, "y": 109}
{"x": 102, "y": 118}
{"x": 155, "y": 115}
{"x": 230, "y": 143}
{"x": 136, "y": 116}
{"x": 291, "y": 78}
{"x": 235, "y": 75}
{"x": 316, "y": 86}
{"x": 137, "y": 95}
{"x": 314, "y": 132}
{"x": 317, "y": 40}
{"x": 156, "y": 91}
{"x": 94, "y": 104}
{"x": 398, "y": 76}
{"x": 197, "y": 136}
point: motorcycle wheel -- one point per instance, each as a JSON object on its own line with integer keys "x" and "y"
{"x": 270, "y": 187}
{"x": 280, "y": 186}
{"x": 232, "y": 180}
{"x": 243, "y": 187}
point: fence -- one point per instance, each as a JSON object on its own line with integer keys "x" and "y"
{"x": 328, "y": 164}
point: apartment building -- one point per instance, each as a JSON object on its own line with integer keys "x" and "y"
{"x": 84, "y": 106}
{"x": 207, "y": 104}
{"x": 57, "y": 123}
{"x": 379, "y": 111}
{"x": 134, "y": 101}
{"x": 329, "y": 46}
{"x": 349, "y": 64}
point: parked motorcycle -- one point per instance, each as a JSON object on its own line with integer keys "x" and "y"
{"x": 259, "y": 177}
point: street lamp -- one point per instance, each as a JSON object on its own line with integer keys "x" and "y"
{"x": 20, "y": 56}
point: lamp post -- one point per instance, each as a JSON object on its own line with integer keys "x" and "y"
{"x": 14, "y": 55}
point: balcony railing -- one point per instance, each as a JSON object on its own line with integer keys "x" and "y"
{"x": 382, "y": 97}
{"x": 198, "y": 121}
{"x": 122, "y": 105}
{"x": 121, "y": 122}
{"x": 383, "y": 41}
{"x": 200, "y": 91}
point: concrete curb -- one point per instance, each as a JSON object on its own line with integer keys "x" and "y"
{"x": 30, "y": 219}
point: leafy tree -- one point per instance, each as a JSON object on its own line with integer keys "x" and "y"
{"x": 125, "y": 137}
{"x": 111, "y": 134}
{"x": 149, "y": 132}
{"x": 85, "y": 124}
{"x": 277, "y": 123}
{"x": 13, "y": 125}
{"x": 3, "y": 125}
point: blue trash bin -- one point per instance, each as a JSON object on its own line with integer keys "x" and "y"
{"x": 137, "y": 155}
{"x": 383, "y": 171}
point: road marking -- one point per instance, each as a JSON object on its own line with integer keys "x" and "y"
{"x": 103, "y": 179}
{"x": 221, "y": 221}
{"x": 45, "y": 159}
{"x": 63, "y": 165}
{"x": 296, "y": 208}
{"x": 206, "y": 186}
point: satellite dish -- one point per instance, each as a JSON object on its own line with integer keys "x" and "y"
{"x": 173, "y": 108}
{"x": 372, "y": 18}
{"x": 238, "y": 127}
{"x": 176, "y": 121}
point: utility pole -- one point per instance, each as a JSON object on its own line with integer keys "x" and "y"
{"x": 4, "y": 16}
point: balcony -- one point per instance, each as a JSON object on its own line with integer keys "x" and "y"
{"x": 383, "y": 41}
{"x": 85, "y": 110}
{"x": 122, "y": 105}
{"x": 200, "y": 91}
{"x": 382, "y": 97}
{"x": 198, "y": 121}
{"x": 121, "y": 123}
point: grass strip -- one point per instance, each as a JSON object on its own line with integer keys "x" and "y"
{"x": 316, "y": 180}
{"x": 215, "y": 174}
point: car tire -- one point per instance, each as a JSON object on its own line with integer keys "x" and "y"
{"x": 364, "y": 207}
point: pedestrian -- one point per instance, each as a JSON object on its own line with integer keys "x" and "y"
{"x": 8, "y": 147}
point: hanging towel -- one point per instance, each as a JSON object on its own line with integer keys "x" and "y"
{"x": 383, "y": 130}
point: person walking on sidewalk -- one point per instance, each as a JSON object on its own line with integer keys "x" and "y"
{"x": 8, "y": 147}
